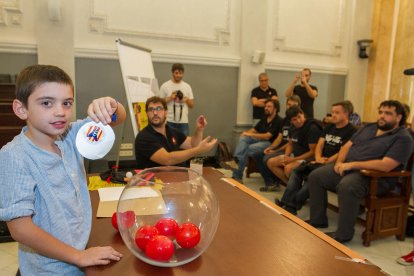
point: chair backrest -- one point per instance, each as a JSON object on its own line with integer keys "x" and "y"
{"x": 407, "y": 188}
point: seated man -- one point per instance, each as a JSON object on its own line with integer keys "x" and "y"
{"x": 354, "y": 118}
{"x": 255, "y": 140}
{"x": 160, "y": 145}
{"x": 276, "y": 148}
{"x": 383, "y": 146}
{"x": 333, "y": 137}
{"x": 303, "y": 136}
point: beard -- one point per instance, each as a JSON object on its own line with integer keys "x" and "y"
{"x": 385, "y": 126}
{"x": 160, "y": 123}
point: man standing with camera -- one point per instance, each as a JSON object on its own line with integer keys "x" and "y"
{"x": 179, "y": 97}
{"x": 304, "y": 90}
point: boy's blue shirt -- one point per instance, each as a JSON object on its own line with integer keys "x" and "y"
{"x": 52, "y": 190}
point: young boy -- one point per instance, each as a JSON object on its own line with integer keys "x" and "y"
{"x": 44, "y": 197}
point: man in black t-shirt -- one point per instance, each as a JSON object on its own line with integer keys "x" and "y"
{"x": 303, "y": 136}
{"x": 276, "y": 148}
{"x": 160, "y": 145}
{"x": 255, "y": 140}
{"x": 383, "y": 146}
{"x": 259, "y": 95}
{"x": 333, "y": 137}
{"x": 304, "y": 90}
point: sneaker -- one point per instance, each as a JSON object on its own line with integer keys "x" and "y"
{"x": 279, "y": 203}
{"x": 230, "y": 165}
{"x": 291, "y": 210}
{"x": 406, "y": 259}
{"x": 270, "y": 188}
{"x": 238, "y": 179}
{"x": 316, "y": 225}
{"x": 333, "y": 236}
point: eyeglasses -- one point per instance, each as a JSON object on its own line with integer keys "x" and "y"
{"x": 158, "y": 109}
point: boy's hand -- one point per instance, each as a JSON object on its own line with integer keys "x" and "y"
{"x": 97, "y": 256}
{"x": 101, "y": 110}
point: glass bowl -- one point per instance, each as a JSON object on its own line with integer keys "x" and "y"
{"x": 171, "y": 200}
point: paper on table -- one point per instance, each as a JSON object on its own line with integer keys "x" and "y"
{"x": 113, "y": 193}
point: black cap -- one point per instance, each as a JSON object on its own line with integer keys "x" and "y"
{"x": 409, "y": 72}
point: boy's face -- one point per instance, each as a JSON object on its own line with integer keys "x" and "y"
{"x": 49, "y": 110}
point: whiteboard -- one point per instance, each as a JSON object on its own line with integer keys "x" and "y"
{"x": 139, "y": 79}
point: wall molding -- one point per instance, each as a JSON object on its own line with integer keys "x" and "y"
{"x": 25, "y": 48}
{"x": 335, "y": 48}
{"x": 334, "y": 70}
{"x": 98, "y": 23}
{"x": 10, "y": 13}
{"x": 18, "y": 48}
{"x": 162, "y": 57}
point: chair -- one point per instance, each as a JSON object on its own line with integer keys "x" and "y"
{"x": 251, "y": 167}
{"x": 387, "y": 215}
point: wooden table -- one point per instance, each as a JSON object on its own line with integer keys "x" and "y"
{"x": 254, "y": 237}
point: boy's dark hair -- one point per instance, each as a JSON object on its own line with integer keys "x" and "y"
{"x": 276, "y": 104}
{"x": 33, "y": 76}
{"x": 294, "y": 98}
{"x": 347, "y": 106}
{"x": 155, "y": 100}
{"x": 177, "y": 66}
{"x": 293, "y": 112}
{"x": 399, "y": 109}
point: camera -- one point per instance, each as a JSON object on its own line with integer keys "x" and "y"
{"x": 180, "y": 95}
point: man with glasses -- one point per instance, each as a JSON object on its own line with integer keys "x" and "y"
{"x": 259, "y": 95}
{"x": 161, "y": 145}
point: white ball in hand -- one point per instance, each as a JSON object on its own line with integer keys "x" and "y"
{"x": 129, "y": 175}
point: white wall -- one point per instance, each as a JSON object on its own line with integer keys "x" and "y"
{"x": 320, "y": 34}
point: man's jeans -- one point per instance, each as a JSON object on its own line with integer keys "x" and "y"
{"x": 295, "y": 194}
{"x": 247, "y": 147}
{"x": 267, "y": 174}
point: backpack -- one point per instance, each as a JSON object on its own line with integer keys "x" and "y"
{"x": 223, "y": 153}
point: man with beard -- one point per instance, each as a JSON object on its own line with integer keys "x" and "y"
{"x": 253, "y": 141}
{"x": 383, "y": 146}
{"x": 161, "y": 145}
{"x": 179, "y": 97}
